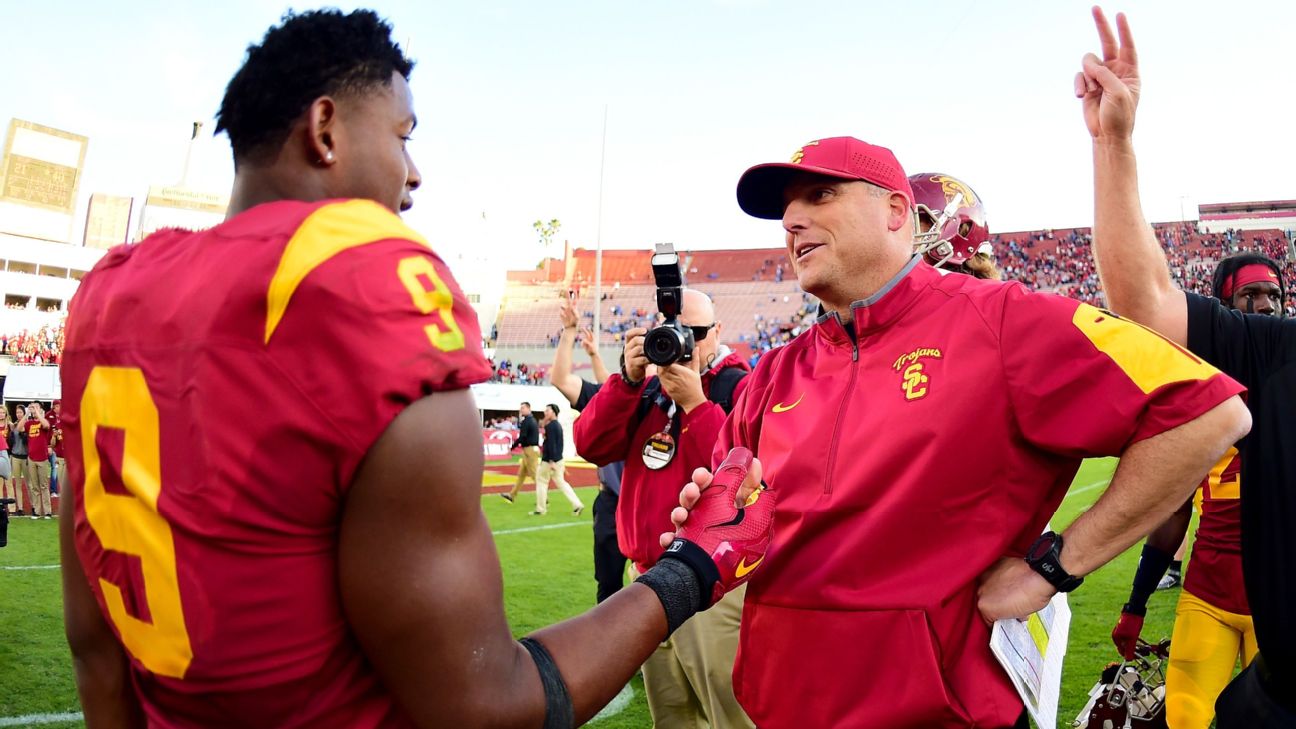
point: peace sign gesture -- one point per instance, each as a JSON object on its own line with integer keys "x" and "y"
{"x": 1110, "y": 86}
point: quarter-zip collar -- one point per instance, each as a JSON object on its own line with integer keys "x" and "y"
{"x": 881, "y": 309}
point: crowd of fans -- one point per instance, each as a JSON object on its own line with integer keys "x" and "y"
{"x": 1063, "y": 263}
{"x": 773, "y": 332}
{"x": 43, "y": 346}
{"x": 510, "y": 372}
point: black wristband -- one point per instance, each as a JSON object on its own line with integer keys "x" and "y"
{"x": 700, "y": 562}
{"x": 559, "y": 713}
{"x": 678, "y": 588}
{"x": 1151, "y": 568}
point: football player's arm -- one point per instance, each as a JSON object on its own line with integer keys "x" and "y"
{"x": 429, "y": 612}
{"x": 102, "y": 670}
{"x": 1131, "y": 265}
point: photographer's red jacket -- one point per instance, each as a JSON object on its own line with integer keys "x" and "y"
{"x": 608, "y": 430}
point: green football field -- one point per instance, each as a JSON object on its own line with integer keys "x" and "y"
{"x": 548, "y": 576}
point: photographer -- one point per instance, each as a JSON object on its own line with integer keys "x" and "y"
{"x": 664, "y": 427}
{"x": 37, "y": 428}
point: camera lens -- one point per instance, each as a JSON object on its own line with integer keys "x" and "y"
{"x": 663, "y": 346}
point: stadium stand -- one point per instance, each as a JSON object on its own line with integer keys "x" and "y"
{"x": 761, "y": 306}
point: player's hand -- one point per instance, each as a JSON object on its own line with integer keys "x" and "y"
{"x": 636, "y": 362}
{"x": 567, "y": 314}
{"x": 588, "y": 342}
{"x": 1011, "y": 589}
{"x": 683, "y": 384}
{"x": 1110, "y": 86}
{"x": 1126, "y": 634}
{"x": 728, "y": 518}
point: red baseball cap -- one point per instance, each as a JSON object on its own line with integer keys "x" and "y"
{"x": 760, "y": 189}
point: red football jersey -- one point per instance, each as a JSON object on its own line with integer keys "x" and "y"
{"x": 909, "y": 454}
{"x": 1215, "y": 567}
{"x": 220, "y": 390}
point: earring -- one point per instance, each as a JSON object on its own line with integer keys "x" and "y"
{"x": 328, "y": 156}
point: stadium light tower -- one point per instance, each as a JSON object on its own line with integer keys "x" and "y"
{"x": 598, "y": 240}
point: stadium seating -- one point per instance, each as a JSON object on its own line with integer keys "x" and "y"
{"x": 760, "y": 304}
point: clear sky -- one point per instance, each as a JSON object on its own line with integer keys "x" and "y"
{"x": 510, "y": 97}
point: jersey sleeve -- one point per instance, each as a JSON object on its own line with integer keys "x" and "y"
{"x": 370, "y": 327}
{"x": 1246, "y": 346}
{"x": 1084, "y": 382}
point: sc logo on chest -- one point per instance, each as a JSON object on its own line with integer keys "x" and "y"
{"x": 914, "y": 379}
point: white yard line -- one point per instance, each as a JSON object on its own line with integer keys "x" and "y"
{"x": 522, "y": 530}
{"x": 30, "y": 567}
{"x": 617, "y": 705}
{"x": 1086, "y": 488}
{"x": 34, "y": 719}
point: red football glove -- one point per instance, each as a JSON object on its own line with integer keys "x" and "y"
{"x": 1126, "y": 634}
{"x": 721, "y": 542}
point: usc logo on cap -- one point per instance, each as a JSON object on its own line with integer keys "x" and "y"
{"x": 799, "y": 155}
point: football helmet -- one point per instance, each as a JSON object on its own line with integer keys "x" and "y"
{"x": 1130, "y": 695}
{"x": 951, "y": 221}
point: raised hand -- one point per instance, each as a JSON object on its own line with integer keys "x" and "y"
{"x": 1109, "y": 87}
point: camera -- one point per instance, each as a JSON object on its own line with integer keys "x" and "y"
{"x": 670, "y": 341}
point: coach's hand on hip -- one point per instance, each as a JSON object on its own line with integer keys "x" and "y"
{"x": 1012, "y": 589}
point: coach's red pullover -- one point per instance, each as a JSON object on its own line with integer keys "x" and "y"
{"x": 906, "y": 464}
{"x": 608, "y": 430}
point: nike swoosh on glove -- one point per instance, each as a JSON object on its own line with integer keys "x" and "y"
{"x": 722, "y": 543}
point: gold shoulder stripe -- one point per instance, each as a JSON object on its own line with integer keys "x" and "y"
{"x": 1220, "y": 489}
{"x": 1148, "y": 359}
{"x": 325, "y": 233}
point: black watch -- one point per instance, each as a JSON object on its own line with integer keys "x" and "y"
{"x": 1044, "y": 556}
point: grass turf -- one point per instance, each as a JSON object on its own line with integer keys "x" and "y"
{"x": 548, "y": 576}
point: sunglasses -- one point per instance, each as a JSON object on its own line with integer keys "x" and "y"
{"x": 700, "y": 333}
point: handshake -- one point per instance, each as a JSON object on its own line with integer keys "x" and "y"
{"x": 723, "y": 525}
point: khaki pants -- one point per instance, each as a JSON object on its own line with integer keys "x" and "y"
{"x": 19, "y": 469}
{"x": 553, "y": 472}
{"x": 689, "y": 678}
{"x": 38, "y": 474}
{"x": 9, "y": 488}
{"x": 526, "y": 468}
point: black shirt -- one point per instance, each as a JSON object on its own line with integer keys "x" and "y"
{"x": 587, "y": 393}
{"x": 553, "y": 445}
{"x": 1260, "y": 352}
{"x": 528, "y": 432}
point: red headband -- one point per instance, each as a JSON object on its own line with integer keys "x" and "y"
{"x": 1249, "y": 274}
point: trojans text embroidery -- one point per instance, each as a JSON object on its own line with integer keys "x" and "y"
{"x": 915, "y": 380}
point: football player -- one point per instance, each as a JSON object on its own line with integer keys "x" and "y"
{"x": 1260, "y": 351}
{"x": 950, "y": 226}
{"x": 275, "y": 466}
{"x": 1213, "y": 626}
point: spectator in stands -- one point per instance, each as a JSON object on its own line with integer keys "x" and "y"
{"x": 663, "y": 428}
{"x": 1260, "y": 351}
{"x": 529, "y": 439}
{"x": 8, "y": 486}
{"x": 37, "y": 427}
{"x": 551, "y": 465}
{"x": 609, "y": 563}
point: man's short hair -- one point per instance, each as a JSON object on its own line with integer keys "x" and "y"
{"x": 1231, "y": 265}
{"x": 308, "y": 55}
{"x": 525, "y": 405}
{"x": 554, "y": 408}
